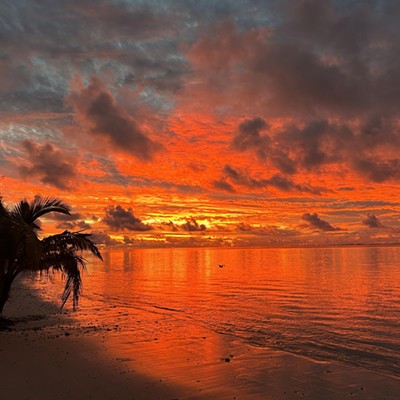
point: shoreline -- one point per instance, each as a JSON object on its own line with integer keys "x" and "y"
{"x": 49, "y": 354}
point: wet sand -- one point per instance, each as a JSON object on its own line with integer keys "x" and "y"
{"x": 51, "y": 355}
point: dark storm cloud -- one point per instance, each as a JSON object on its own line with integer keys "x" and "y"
{"x": 292, "y": 147}
{"x": 49, "y": 164}
{"x": 307, "y": 147}
{"x": 119, "y": 219}
{"x": 314, "y": 221}
{"x": 99, "y": 112}
{"x": 58, "y": 27}
{"x": 191, "y": 225}
{"x": 331, "y": 70}
{"x": 125, "y": 20}
{"x": 372, "y": 221}
{"x": 378, "y": 171}
{"x": 248, "y": 136}
{"x": 317, "y": 58}
{"x": 314, "y": 144}
{"x": 44, "y": 44}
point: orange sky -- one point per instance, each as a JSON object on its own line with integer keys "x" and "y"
{"x": 237, "y": 124}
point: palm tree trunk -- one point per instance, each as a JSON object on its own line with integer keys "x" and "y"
{"x": 6, "y": 281}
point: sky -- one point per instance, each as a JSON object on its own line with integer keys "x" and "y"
{"x": 205, "y": 123}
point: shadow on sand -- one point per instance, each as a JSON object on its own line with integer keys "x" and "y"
{"x": 44, "y": 357}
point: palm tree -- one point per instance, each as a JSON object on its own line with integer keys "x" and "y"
{"x": 21, "y": 249}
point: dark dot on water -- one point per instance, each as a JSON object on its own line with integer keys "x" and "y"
{"x": 227, "y": 360}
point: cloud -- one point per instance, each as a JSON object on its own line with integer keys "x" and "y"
{"x": 292, "y": 148}
{"x": 119, "y": 219}
{"x": 242, "y": 227}
{"x": 314, "y": 221}
{"x": 65, "y": 217}
{"x": 41, "y": 46}
{"x": 305, "y": 147}
{"x": 169, "y": 226}
{"x": 49, "y": 164}
{"x": 104, "y": 238}
{"x": 277, "y": 181}
{"x": 315, "y": 58}
{"x": 128, "y": 240}
{"x": 191, "y": 225}
{"x": 97, "y": 110}
{"x": 70, "y": 221}
{"x": 242, "y": 178}
{"x": 377, "y": 170}
{"x": 222, "y": 184}
{"x": 274, "y": 233}
{"x": 372, "y": 221}
{"x": 248, "y": 136}
{"x": 320, "y": 78}
{"x": 74, "y": 225}
{"x": 287, "y": 185}
{"x": 124, "y": 21}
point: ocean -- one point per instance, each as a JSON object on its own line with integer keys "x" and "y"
{"x": 328, "y": 304}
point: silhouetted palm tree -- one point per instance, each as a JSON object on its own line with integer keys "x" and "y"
{"x": 21, "y": 249}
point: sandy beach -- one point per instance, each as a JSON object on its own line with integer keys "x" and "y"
{"x": 48, "y": 354}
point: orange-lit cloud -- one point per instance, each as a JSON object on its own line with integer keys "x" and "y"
{"x": 229, "y": 123}
{"x": 99, "y": 113}
{"x": 49, "y": 164}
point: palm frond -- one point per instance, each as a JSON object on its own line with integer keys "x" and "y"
{"x": 59, "y": 253}
{"x": 3, "y": 210}
{"x": 30, "y": 212}
{"x": 21, "y": 250}
{"x": 74, "y": 282}
{"x": 75, "y": 241}
{"x": 69, "y": 265}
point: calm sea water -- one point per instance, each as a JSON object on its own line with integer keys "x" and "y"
{"x": 338, "y": 304}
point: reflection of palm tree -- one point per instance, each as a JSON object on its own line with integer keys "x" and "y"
{"x": 21, "y": 249}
